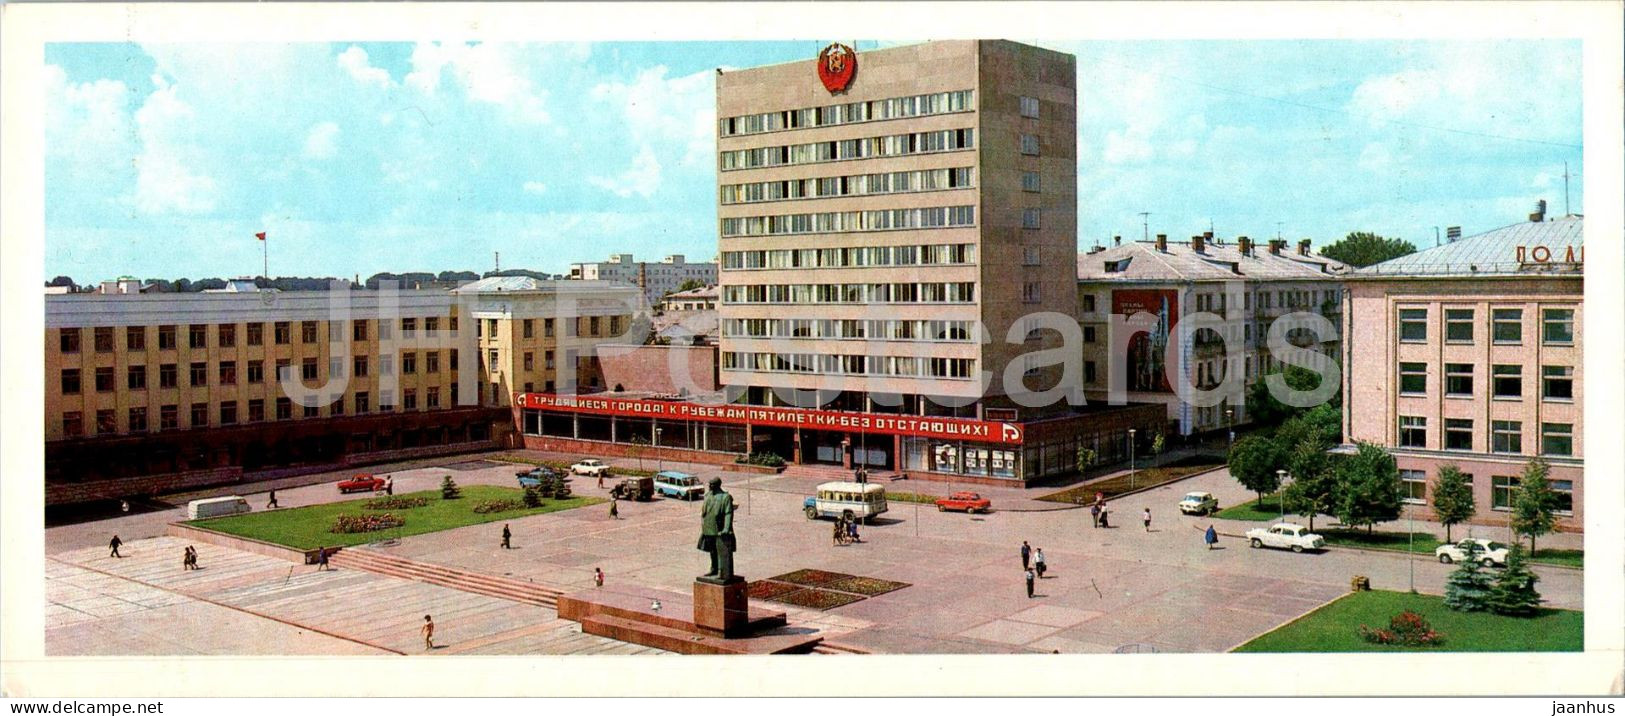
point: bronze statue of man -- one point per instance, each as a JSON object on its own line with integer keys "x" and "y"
{"x": 717, "y": 532}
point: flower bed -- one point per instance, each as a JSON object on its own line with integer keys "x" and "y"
{"x": 867, "y": 586}
{"x": 486, "y": 507}
{"x": 355, "y": 524}
{"x": 769, "y": 589}
{"x": 394, "y": 503}
{"x": 811, "y": 577}
{"x": 820, "y": 599}
{"x": 1406, "y": 629}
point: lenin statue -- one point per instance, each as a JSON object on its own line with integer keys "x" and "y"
{"x": 717, "y": 532}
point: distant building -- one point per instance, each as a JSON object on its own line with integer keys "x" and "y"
{"x": 655, "y": 278}
{"x": 1172, "y": 279}
{"x": 123, "y": 285}
{"x": 694, "y": 299}
{"x": 1469, "y": 354}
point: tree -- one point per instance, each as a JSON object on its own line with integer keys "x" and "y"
{"x": 1253, "y": 462}
{"x": 1313, "y": 481}
{"x": 1264, "y": 409}
{"x": 1534, "y": 503}
{"x": 1452, "y": 498}
{"x": 449, "y": 489}
{"x": 634, "y": 448}
{"x": 1363, "y": 248}
{"x": 533, "y": 496}
{"x": 689, "y": 285}
{"x": 1368, "y": 488}
{"x": 1469, "y": 588}
{"x": 62, "y": 281}
{"x": 1158, "y": 444}
{"x": 1086, "y": 459}
{"x": 1514, "y": 592}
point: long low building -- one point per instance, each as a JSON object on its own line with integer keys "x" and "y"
{"x": 152, "y": 392}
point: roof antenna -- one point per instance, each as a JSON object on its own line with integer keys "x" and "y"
{"x": 1566, "y": 211}
{"x": 1145, "y": 224}
{"x": 1278, "y": 230}
{"x": 498, "y": 268}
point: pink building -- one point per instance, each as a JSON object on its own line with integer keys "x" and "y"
{"x": 1469, "y": 354}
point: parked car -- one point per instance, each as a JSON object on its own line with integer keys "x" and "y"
{"x": 361, "y": 483}
{"x": 680, "y": 485}
{"x": 216, "y": 507}
{"x": 1198, "y": 503}
{"x": 1490, "y": 554}
{"x": 533, "y": 477}
{"x": 1285, "y": 535}
{"x": 969, "y": 502}
{"x": 850, "y": 500}
{"x": 591, "y": 467}
{"x": 641, "y": 489}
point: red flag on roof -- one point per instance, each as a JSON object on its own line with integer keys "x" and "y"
{"x": 260, "y": 236}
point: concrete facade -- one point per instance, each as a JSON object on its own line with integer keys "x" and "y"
{"x": 655, "y": 278}
{"x": 1473, "y": 365}
{"x": 822, "y": 290}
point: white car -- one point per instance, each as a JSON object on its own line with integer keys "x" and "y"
{"x": 1285, "y": 535}
{"x": 1198, "y": 503}
{"x": 589, "y": 467}
{"x": 1490, "y": 554}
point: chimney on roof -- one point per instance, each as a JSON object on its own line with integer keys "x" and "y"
{"x": 1117, "y": 241}
{"x": 1245, "y": 244}
{"x": 1207, "y": 235}
{"x": 1199, "y": 243}
{"x": 1303, "y": 247}
{"x": 1162, "y": 243}
{"x": 1097, "y": 248}
{"x": 1276, "y": 245}
{"x": 1451, "y": 234}
{"x": 1540, "y": 212}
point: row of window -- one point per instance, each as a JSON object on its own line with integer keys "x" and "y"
{"x": 169, "y": 416}
{"x": 197, "y": 334}
{"x": 581, "y": 325}
{"x": 1506, "y": 381}
{"x": 951, "y": 331}
{"x": 1506, "y": 325}
{"x": 226, "y": 371}
{"x": 955, "y": 292}
{"x": 842, "y": 364}
{"x": 1506, "y": 436}
{"x": 896, "y": 145}
{"x": 839, "y": 221}
{"x": 852, "y": 112}
{"x": 914, "y": 255}
{"x": 854, "y": 185}
{"x": 1503, "y": 488}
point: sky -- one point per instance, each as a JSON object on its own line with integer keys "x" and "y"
{"x": 164, "y": 160}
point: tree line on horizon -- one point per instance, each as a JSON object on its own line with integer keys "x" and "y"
{"x": 310, "y": 283}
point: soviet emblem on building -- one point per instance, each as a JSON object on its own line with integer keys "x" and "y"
{"x": 836, "y": 66}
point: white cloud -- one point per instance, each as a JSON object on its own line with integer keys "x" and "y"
{"x": 354, "y": 61}
{"x": 642, "y": 178}
{"x": 1492, "y": 87}
{"x": 322, "y": 142}
{"x": 491, "y": 73}
{"x": 535, "y": 187}
{"x": 85, "y": 123}
{"x": 1376, "y": 157}
{"x": 661, "y": 111}
{"x": 1127, "y": 147}
{"x": 166, "y": 180}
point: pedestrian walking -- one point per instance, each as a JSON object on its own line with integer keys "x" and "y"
{"x": 852, "y": 530}
{"x": 1038, "y": 562}
{"x": 1094, "y": 514}
{"x": 1100, "y": 499}
{"x": 614, "y": 507}
{"x": 271, "y": 505}
{"x": 597, "y": 577}
{"x": 1146, "y": 518}
{"x": 1211, "y": 537}
{"x": 1026, "y": 554}
{"x": 1030, "y": 576}
{"x": 600, "y": 479}
{"x": 186, "y": 559}
{"x": 321, "y": 560}
{"x": 428, "y": 633}
{"x": 840, "y": 532}
{"x": 507, "y": 537}
{"x": 1105, "y": 518}
{"x": 113, "y": 545}
{"x": 389, "y": 485}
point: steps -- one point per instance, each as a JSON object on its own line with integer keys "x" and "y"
{"x": 376, "y": 562}
{"x": 837, "y": 648}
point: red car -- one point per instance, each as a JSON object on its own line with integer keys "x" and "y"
{"x": 967, "y": 501}
{"x": 361, "y": 483}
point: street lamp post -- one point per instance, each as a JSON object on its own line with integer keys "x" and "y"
{"x": 1131, "y": 432}
{"x": 660, "y": 457}
{"x": 1230, "y": 425}
{"x": 1280, "y": 492}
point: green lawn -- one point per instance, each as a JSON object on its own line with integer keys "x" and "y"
{"x": 307, "y": 527}
{"x": 1335, "y": 627}
{"x": 911, "y": 497}
{"x": 1140, "y": 479}
{"x": 1252, "y": 510}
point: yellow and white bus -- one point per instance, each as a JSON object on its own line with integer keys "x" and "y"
{"x": 846, "y": 499}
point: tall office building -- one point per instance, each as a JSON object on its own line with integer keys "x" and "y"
{"x": 876, "y": 207}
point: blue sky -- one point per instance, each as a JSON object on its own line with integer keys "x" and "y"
{"x": 164, "y": 160}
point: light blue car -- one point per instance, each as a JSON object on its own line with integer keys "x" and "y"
{"x": 680, "y": 485}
